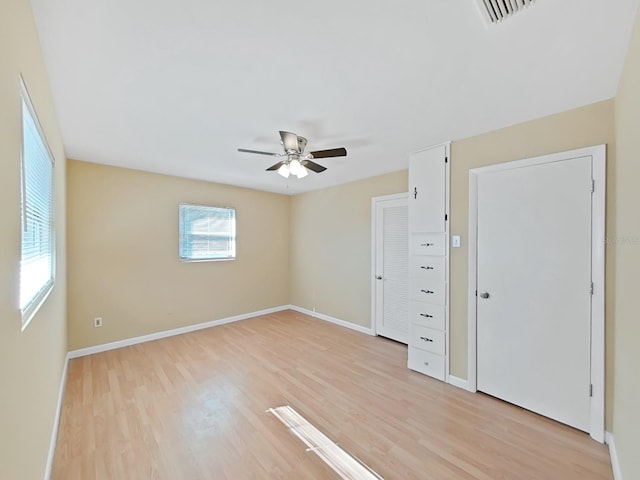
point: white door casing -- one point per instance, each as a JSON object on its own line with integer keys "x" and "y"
{"x": 390, "y": 267}
{"x": 538, "y": 340}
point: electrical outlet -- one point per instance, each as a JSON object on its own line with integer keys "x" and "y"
{"x": 97, "y": 322}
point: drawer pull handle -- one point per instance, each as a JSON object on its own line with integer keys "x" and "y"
{"x": 427, "y": 244}
{"x": 426, "y": 291}
{"x": 426, "y": 315}
{"x": 426, "y": 339}
{"x": 426, "y": 268}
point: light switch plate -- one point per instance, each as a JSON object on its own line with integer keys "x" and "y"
{"x": 455, "y": 241}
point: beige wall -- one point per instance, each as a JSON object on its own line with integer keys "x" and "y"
{"x": 331, "y": 228}
{"x": 331, "y": 247}
{"x": 590, "y": 125}
{"x": 31, "y": 362}
{"x": 625, "y": 247}
{"x": 123, "y": 254}
{"x": 312, "y": 250}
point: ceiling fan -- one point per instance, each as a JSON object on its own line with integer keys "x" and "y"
{"x": 297, "y": 161}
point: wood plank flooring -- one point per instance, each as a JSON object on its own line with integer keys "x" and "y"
{"x": 193, "y": 407}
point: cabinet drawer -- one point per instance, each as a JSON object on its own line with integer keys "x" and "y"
{"x": 428, "y": 267}
{"x": 428, "y": 244}
{"x": 424, "y": 290}
{"x": 427, "y": 339}
{"x": 427, "y": 315}
{"x": 428, "y": 363}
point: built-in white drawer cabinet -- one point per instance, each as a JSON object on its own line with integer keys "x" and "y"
{"x": 429, "y": 261}
{"x": 426, "y": 362}
{"x": 427, "y": 315}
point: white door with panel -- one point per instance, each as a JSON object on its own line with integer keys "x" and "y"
{"x": 391, "y": 267}
{"x": 428, "y": 189}
{"x": 534, "y": 266}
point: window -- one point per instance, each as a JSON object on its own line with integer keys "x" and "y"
{"x": 207, "y": 233}
{"x": 38, "y": 252}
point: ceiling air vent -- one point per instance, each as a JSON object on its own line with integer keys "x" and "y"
{"x": 498, "y": 10}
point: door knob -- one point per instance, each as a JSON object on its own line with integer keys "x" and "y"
{"x": 484, "y": 295}
{"x": 378, "y": 277}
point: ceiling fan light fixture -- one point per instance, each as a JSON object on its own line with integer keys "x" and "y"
{"x": 303, "y": 172}
{"x": 284, "y": 170}
{"x": 295, "y": 166}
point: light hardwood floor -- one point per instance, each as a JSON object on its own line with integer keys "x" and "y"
{"x": 193, "y": 407}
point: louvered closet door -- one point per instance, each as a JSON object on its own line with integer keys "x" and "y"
{"x": 392, "y": 269}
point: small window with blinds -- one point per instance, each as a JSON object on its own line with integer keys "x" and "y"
{"x": 207, "y": 233}
{"x": 38, "y": 251}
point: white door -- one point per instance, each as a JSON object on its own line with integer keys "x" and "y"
{"x": 533, "y": 279}
{"x": 427, "y": 192}
{"x": 391, "y": 267}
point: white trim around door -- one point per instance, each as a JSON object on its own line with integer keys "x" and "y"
{"x": 598, "y": 155}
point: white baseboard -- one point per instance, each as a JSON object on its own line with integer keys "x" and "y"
{"x": 56, "y": 420}
{"x": 615, "y": 464}
{"x": 460, "y": 383}
{"x": 336, "y": 321}
{"x": 170, "y": 333}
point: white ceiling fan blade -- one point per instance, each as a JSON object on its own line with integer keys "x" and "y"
{"x": 290, "y": 142}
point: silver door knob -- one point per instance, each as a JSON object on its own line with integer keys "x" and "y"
{"x": 378, "y": 277}
{"x": 484, "y": 295}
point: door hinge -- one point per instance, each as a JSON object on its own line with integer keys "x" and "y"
{"x": 446, "y": 217}
{"x": 593, "y": 185}
{"x": 446, "y": 159}
{"x": 476, "y": 293}
{"x": 591, "y": 289}
{"x": 591, "y": 390}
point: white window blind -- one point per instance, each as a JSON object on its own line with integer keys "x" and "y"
{"x": 207, "y": 233}
{"x": 37, "y": 259}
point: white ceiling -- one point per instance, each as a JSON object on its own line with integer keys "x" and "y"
{"x": 176, "y": 86}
